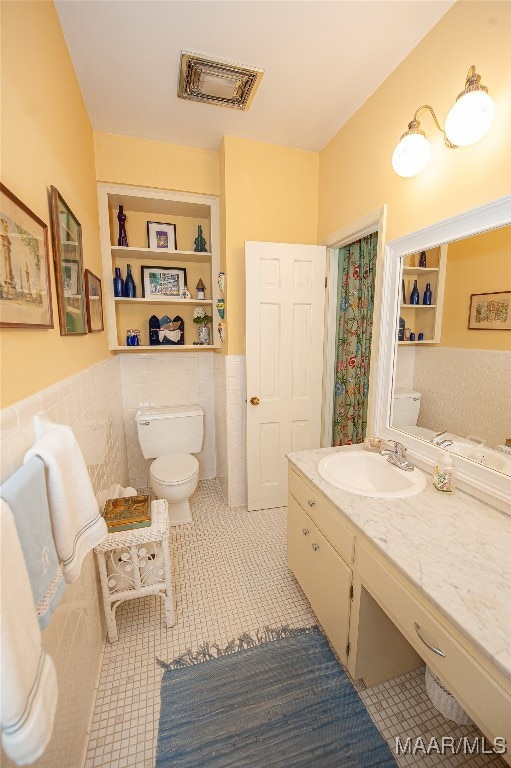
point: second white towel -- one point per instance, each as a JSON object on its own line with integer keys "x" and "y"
{"x": 76, "y": 521}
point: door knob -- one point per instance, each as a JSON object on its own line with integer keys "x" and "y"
{"x": 254, "y": 400}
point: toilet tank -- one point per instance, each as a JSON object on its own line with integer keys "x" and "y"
{"x": 405, "y": 408}
{"x": 165, "y": 430}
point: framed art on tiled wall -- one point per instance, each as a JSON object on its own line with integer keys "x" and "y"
{"x": 25, "y": 295}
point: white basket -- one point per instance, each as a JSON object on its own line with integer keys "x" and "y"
{"x": 444, "y": 701}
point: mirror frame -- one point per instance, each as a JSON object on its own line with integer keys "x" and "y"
{"x": 483, "y": 482}
{"x": 58, "y": 257}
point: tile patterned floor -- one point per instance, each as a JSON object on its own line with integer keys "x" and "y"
{"x": 231, "y": 576}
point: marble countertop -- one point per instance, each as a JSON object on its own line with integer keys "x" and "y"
{"x": 454, "y": 548}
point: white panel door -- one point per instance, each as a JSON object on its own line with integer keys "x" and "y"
{"x": 285, "y": 287}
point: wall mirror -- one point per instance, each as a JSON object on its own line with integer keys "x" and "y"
{"x": 67, "y": 256}
{"x": 455, "y": 379}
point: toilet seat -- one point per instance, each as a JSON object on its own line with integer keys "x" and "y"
{"x": 175, "y": 469}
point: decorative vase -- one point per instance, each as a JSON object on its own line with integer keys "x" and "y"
{"x": 200, "y": 241}
{"x": 121, "y": 218}
{"x": 130, "y": 289}
{"x": 118, "y": 283}
{"x": 422, "y": 259}
{"x": 203, "y": 334}
{"x": 426, "y": 299}
{"x": 414, "y": 296}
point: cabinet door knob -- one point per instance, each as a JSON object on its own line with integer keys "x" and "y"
{"x": 254, "y": 400}
{"x": 305, "y": 531}
{"x": 315, "y": 547}
{"x": 431, "y": 647}
{"x": 311, "y": 503}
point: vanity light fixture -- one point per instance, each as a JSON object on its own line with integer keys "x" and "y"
{"x": 469, "y": 119}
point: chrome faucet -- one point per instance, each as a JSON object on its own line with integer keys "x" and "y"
{"x": 441, "y": 443}
{"x": 397, "y": 456}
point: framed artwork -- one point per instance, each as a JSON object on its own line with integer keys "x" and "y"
{"x": 93, "y": 302}
{"x": 162, "y": 282}
{"x": 67, "y": 257}
{"x": 161, "y": 236}
{"x": 490, "y": 311}
{"x": 25, "y": 294}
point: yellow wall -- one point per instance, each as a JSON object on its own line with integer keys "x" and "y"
{"x": 143, "y": 163}
{"x": 478, "y": 264}
{"x": 356, "y": 175}
{"x": 46, "y": 139}
{"x": 270, "y": 195}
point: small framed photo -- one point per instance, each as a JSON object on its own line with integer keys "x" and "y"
{"x": 25, "y": 296}
{"x": 162, "y": 282}
{"x": 93, "y": 302}
{"x": 490, "y": 311}
{"x": 161, "y": 236}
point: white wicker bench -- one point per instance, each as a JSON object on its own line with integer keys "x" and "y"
{"x": 136, "y": 563}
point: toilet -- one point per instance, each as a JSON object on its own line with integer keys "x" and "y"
{"x": 405, "y": 410}
{"x": 170, "y": 435}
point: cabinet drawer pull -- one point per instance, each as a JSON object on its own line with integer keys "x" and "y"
{"x": 311, "y": 503}
{"x": 431, "y": 647}
{"x": 305, "y": 531}
{"x": 315, "y": 547}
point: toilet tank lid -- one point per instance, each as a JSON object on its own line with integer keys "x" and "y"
{"x": 164, "y": 411}
{"x": 398, "y": 393}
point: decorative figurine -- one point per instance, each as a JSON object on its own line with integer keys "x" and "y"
{"x": 173, "y": 331}
{"x": 221, "y": 281}
{"x": 154, "y": 328}
{"x": 220, "y": 305}
{"x": 121, "y": 218}
{"x": 221, "y": 331}
{"x": 185, "y": 293}
{"x": 200, "y": 241}
{"x": 201, "y": 289}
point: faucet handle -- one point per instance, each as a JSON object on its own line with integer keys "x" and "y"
{"x": 400, "y": 450}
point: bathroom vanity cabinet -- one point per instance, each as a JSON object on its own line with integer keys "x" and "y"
{"x": 424, "y": 318}
{"x": 379, "y": 622}
{"x": 186, "y": 212}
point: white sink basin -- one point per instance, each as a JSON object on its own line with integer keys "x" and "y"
{"x": 369, "y": 474}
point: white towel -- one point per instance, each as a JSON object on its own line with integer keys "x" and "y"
{"x": 77, "y": 524}
{"x": 29, "y": 680}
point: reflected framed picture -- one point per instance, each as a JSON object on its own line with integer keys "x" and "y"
{"x": 25, "y": 295}
{"x": 93, "y": 302}
{"x": 161, "y": 236}
{"x": 490, "y": 311}
{"x": 162, "y": 282}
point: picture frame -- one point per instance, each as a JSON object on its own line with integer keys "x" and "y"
{"x": 490, "y": 311}
{"x": 68, "y": 262}
{"x": 161, "y": 236}
{"x": 93, "y": 302}
{"x": 25, "y": 293}
{"x": 162, "y": 282}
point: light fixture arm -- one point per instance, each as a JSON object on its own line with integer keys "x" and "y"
{"x": 414, "y": 125}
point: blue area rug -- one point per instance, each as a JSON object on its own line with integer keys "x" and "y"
{"x": 280, "y": 704}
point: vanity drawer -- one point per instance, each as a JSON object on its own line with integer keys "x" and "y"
{"x": 481, "y": 695}
{"x": 328, "y": 519}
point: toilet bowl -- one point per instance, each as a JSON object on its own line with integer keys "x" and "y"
{"x": 175, "y": 478}
{"x": 170, "y": 435}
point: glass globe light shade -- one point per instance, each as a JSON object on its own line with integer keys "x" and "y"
{"x": 470, "y": 118}
{"x": 411, "y": 155}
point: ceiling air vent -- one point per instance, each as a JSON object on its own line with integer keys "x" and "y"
{"x": 216, "y": 81}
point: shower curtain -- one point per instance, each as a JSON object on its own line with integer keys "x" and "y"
{"x": 355, "y": 304}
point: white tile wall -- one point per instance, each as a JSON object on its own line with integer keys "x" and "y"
{"x": 405, "y": 365}
{"x": 236, "y": 430}
{"x": 465, "y": 391}
{"x": 220, "y": 388}
{"x": 178, "y": 378}
{"x": 91, "y": 403}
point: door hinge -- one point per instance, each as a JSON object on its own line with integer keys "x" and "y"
{"x": 351, "y": 592}
{"x": 348, "y": 650}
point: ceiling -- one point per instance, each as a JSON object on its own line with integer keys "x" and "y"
{"x": 322, "y": 61}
